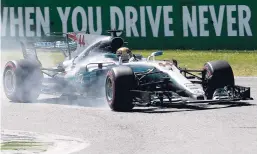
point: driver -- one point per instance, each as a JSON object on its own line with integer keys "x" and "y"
{"x": 125, "y": 54}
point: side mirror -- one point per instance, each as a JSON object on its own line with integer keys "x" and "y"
{"x": 154, "y": 54}
{"x": 157, "y": 53}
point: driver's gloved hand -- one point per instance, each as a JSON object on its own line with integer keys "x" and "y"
{"x": 132, "y": 59}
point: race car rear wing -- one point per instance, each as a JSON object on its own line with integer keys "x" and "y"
{"x": 59, "y": 41}
{"x": 56, "y": 41}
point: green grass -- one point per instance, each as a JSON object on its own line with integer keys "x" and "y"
{"x": 24, "y": 145}
{"x": 244, "y": 63}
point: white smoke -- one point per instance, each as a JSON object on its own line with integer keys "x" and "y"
{"x": 95, "y": 96}
{"x": 11, "y": 50}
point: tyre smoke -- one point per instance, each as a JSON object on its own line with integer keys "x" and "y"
{"x": 95, "y": 93}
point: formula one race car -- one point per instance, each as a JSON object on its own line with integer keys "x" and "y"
{"x": 162, "y": 83}
{"x": 92, "y": 62}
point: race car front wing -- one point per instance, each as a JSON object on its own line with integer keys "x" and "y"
{"x": 227, "y": 94}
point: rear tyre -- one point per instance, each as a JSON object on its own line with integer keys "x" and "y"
{"x": 119, "y": 83}
{"x": 218, "y": 74}
{"x": 22, "y": 81}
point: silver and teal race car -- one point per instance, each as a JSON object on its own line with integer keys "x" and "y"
{"x": 137, "y": 82}
{"x": 151, "y": 82}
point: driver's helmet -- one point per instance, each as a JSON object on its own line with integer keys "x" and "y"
{"x": 125, "y": 54}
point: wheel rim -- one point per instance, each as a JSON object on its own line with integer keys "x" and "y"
{"x": 109, "y": 89}
{"x": 9, "y": 81}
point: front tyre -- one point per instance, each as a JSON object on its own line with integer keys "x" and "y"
{"x": 119, "y": 83}
{"x": 218, "y": 74}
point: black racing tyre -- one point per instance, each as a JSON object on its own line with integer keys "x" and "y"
{"x": 218, "y": 74}
{"x": 22, "y": 81}
{"x": 119, "y": 83}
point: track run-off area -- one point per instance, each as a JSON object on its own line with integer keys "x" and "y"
{"x": 228, "y": 129}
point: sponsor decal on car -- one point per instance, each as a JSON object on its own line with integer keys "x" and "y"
{"x": 45, "y": 44}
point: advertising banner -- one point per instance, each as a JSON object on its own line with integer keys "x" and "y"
{"x": 146, "y": 24}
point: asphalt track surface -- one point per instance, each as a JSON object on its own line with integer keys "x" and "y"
{"x": 228, "y": 129}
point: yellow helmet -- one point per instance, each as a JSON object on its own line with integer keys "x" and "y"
{"x": 125, "y": 53}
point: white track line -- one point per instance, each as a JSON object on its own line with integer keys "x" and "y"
{"x": 246, "y": 77}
